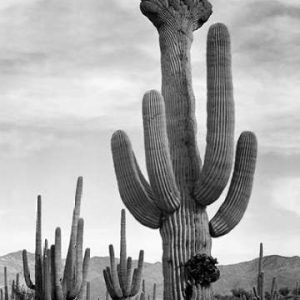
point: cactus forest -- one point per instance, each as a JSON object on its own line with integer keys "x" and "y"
{"x": 173, "y": 195}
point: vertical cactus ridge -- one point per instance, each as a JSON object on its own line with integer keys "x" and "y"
{"x": 123, "y": 254}
{"x": 158, "y": 158}
{"x": 136, "y": 195}
{"x": 220, "y": 118}
{"x": 71, "y": 255}
{"x": 232, "y": 210}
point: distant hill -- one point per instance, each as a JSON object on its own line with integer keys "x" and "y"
{"x": 286, "y": 269}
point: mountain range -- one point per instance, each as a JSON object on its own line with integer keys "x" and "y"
{"x": 239, "y": 275}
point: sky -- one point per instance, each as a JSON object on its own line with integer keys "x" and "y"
{"x": 74, "y": 71}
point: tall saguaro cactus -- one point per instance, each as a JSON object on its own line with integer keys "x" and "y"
{"x": 181, "y": 187}
{"x": 50, "y": 283}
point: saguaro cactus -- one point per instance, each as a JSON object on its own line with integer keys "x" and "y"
{"x": 122, "y": 282}
{"x": 181, "y": 187}
{"x": 50, "y": 283}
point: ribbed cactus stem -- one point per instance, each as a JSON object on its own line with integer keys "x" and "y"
{"x": 26, "y": 270}
{"x": 88, "y": 291}
{"x": 58, "y": 272}
{"x": 154, "y": 292}
{"x": 6, "y": 297}
{"x": 123, "y": 254}
{"x": 71, "y": 255}
{"x": 260, "y": 275}
{"x": 46, "y": 273}
{"x": 1, "y": 294}
{"x": 38, "y": 252}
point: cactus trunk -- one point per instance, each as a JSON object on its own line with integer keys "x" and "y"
{"x": 179, "y": 104}
{"x": 184, "y": 234}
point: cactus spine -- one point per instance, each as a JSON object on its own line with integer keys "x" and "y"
{"x": 49, "y": 282}
{"x": 180, "y": 188}
{"x": 122, "y": 282}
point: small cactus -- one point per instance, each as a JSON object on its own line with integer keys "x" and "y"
{"x": 122, "y": 281}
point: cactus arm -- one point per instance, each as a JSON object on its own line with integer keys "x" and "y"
{"x": 220, "y": 118}
{"x": 158, "y": 158}
{"x": 71, "y": 255}
{"x": 58, "y": 274}
{"x": 38, "y": 252}
{"x": 88, "y": 291}
{"x": 52, "y": 267}
{"x": 137, "y": 275}
{"x": 232, "y": 210}
{"x": 114, "y": 273}
{"x": 85, "y": 272}
{"x": 123, "y": 254}
{"x": 26, "y": 271}
{"x": 6, "y": 297}
{"x": 129, "y": 277}
{"x": 79, "y": 256}
{"x": 46, "y": 273}
{"x": 109, "y": 284}
{"x": 154, "y": 292}
{"x": 135, "y": 195}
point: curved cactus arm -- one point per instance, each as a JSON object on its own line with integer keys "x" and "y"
{"x": 85, "y": 272}
{"x": 109, "y": 284}
{"x": 158, "y": 159}
{"x": 137, "y": 275}
{"x": 232, "y": 210}
{"x": 57, "y": 261}
{"x": 26, "y": 271}
{"x": 135, "y": 194}
{"x": 71, "y": 255}
{"x": 220, "y": 118}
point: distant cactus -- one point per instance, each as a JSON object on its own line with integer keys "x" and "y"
{"x": 50, "y": 284}
{"x": 180, "y": 187}
{"x": 122, "y": 282}
{"x": 143, "y": 295}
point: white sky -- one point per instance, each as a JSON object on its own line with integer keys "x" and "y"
{"x": 73, "y": 71}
